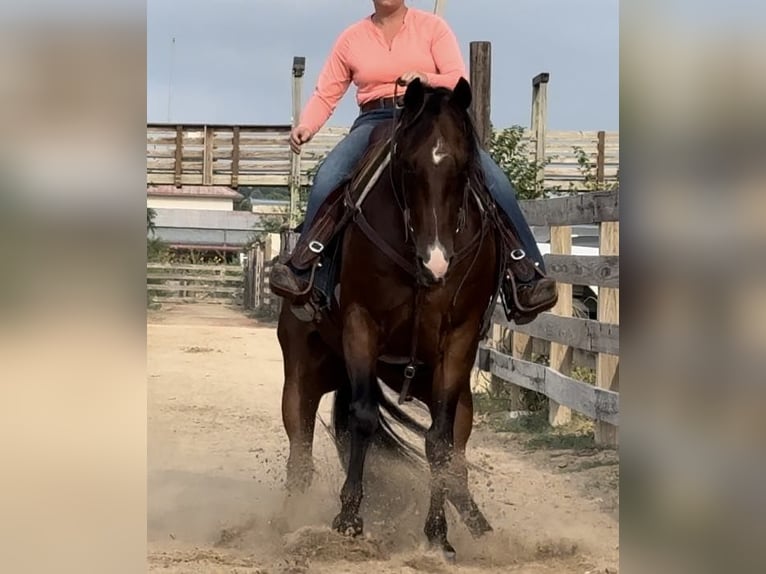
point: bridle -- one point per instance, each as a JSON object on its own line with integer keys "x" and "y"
{"x": 400, "y": 196}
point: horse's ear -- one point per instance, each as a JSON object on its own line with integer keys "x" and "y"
{"x": 462, "y": 94}
{"x": 415, "y": 94}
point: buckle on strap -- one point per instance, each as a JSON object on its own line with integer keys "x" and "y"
{"x": 409, "y": 374}
{"x": 518, "y": 254}
{"x": 316, "y": 246}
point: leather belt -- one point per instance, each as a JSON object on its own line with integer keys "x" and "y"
{"x": 382, "y": 104}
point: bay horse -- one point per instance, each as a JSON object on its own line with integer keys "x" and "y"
{"x": 420, "y": 268}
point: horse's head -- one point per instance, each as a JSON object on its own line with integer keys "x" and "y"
{"x": 436, "y": 154}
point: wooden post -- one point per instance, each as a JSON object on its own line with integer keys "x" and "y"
{"x": 258, "y": 279}
{"x": 178, "y": 166}
{"x": 248, "y": 295}
{"x": 439, "y": 6}
{"x": 235, "y": 158}
{"x": 521, "y": 348}
{"x": 207, "y": 156}
{"x": 540, "y": 121}
{"x": 601, "y": 159}
{"x": 266, "y": 291}
{"x": 267, "y": 247}
{"x": 299, "y": 67}
{"x": 496, "y": 384}
{"x": 607, "y": 366}
{"x": 481, "y": 72}
{"x": 561, "y": 355}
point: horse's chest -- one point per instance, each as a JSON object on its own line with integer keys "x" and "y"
{"x": 432, "y": 322}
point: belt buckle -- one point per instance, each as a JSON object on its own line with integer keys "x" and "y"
{"x": 316, "y": 247}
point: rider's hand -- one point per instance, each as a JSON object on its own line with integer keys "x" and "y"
{"x": 408, "y": 77}
{"x": 298, "y": 137}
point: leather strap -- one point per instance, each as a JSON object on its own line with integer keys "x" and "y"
{"x": 381, "y": 244}
{"x": 382, "y": 104}
{"x": 411, "y": 369}
{"x": 391, "y": 253}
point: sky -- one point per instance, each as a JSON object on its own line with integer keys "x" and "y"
{"x": 232, "y": 59}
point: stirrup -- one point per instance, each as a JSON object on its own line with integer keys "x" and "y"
{"x": 295, "y": 297}
{"x": 305, "y": 312}
{"x": 514, "y": 310}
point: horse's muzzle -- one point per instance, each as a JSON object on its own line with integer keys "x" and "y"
{"x": 435, "y": 264}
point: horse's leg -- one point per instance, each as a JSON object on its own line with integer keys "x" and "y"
{"x": 457, "y": 488}
{"x": 360, "y": 340}
{"x": 307, "y": 365}
{"x": 300, "y": 399}
{"x": 450, "y": 378}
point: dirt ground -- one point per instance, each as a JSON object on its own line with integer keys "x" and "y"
{"x": 217, "y": 452}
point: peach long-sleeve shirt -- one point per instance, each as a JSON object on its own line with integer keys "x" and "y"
{"x": 425, "y": 44}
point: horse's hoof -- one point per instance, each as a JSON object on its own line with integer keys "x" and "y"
{"x": 446, "y": 550}
{"x": 348, "y": 525}
{"x": 449, "y": 554}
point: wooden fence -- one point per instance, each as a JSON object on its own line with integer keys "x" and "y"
{"x": 562, "y": 164}
{"x": 186, "y": 283}
{"x": 260, "y": 155}
{"x": 192, "y": 154}
{"x": 566, "y": 333}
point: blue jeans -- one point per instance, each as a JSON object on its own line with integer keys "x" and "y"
{"x": 343, "y": 159}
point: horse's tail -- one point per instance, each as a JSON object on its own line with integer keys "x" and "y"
{"x": 387, "y": 436}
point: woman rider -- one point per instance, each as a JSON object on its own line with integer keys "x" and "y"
{"x": 394, "y": 42}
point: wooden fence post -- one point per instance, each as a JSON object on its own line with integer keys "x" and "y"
{"x": 178, "y": 165}
{"x": 235, "y": 157}
{"x": 521, "y": 348}
{"x": 258, "y": 276}
{"x": 249, "y": 285}
{"x": 600, "y": 159}
{"x": 540, "y": 121}
{"x": 299, "y": 67}
{"x": 481, "y": 85}
{"x": 496, "y": 384}
{"x": 267, "y": 247}
{"x": 265, "y": 289}
{"x": 607, "y": 366}
{"x": 560, "y": 354}
{"x": 207, "y": 155}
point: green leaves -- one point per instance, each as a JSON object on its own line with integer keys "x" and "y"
{"x": 509, "y": 150}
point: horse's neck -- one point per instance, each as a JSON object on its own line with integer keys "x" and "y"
{"x": 384, "y": 213}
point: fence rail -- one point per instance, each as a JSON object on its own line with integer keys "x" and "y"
{"x": 598, "y": 404}
{"x": 567, "y": 334}
{"x": 584, "y": 334}
{"x": 188, "y": 283}
{"x": 190, "y": 154}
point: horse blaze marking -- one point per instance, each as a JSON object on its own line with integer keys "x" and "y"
{"x": 437, "y": 260}
{"x": 438, "y": 153}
